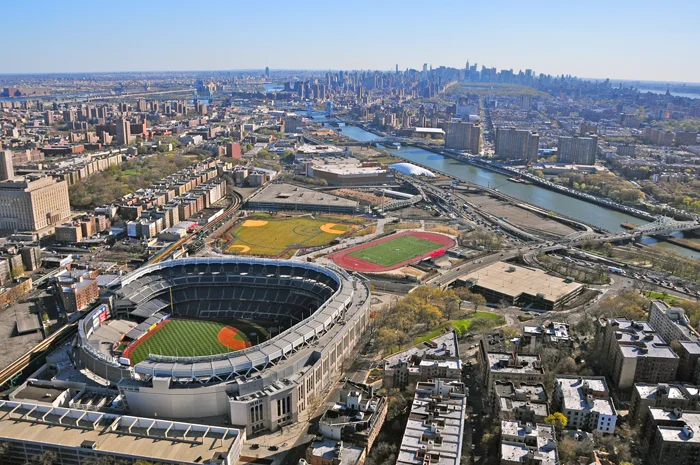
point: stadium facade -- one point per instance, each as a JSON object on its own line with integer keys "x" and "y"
{"x": 261, "y": 388}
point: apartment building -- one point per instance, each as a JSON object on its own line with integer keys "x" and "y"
{"x": 586, "y": 403}
{"x": 33, "y": 204}
{"x": 633, "y": 352}
{"x": 464, "y": 136}
{"x": 671, "y": 323}
{"x": 577, "y": 150}
{"x": 510, "y": 366}
{"x": 671, "y": 437}
{"x": 435, "y": 428}
{"x": 517, "y": 144}
{"x": 528, "y": 444}
{"x": 689, "y": 361}
{"x": 663, "y": 395}
{"x": 523, "y": 402}
{"x": 437, "y": 358}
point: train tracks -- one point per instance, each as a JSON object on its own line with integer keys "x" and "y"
{"x": 37, "y": 354}
{"x": 168, "y": 252}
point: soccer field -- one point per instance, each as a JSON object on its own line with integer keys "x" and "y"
{"x": 187, "y": 338}
{"x": 274, "y": 236}
{"x": 395, "y": 251}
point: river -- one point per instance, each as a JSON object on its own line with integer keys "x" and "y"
{"x": 585, "y": 211}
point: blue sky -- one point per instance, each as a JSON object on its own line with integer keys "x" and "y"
{"x": 616, "y": 38}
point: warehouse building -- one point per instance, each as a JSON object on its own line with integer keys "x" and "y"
{"x": 277, "y": 197}
{"x": 525, "y": 287}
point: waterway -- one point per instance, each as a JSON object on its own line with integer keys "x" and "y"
{"x": 545, "y": 198}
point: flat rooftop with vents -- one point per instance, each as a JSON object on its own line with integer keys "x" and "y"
{"x": 31, "y": 429}
{"x": 276, "y": 197}
{"x": 521, "y": 286}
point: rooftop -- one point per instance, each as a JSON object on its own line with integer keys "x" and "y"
{"x": 289, "y": 194}
{"x": 654, "y": 391}
{"x": 443, "y": 347}
{"x": 115, "y": 434}
{"x": 588, "y": 394}
{"x": 513, "y": 281}
{"x": 524, "y": 442}
{"x": 330, "y": 449}
{"x": 686, "y": 425}
{"x": 505, "y": 362}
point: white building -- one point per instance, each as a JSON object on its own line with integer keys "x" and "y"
{"x": 525, "y": 443}
{"x": 671, "y": 323}
{"x": 586, "y": 403}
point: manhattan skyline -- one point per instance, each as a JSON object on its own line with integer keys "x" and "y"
{"x": 601, "y": 40}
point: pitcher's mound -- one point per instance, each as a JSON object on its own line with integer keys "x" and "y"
{"x": 232, "y": 338}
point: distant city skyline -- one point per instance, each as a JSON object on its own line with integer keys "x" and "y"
{"x": 623, "y": 40}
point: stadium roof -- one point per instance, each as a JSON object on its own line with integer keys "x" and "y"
{"x": 411, "y": 169}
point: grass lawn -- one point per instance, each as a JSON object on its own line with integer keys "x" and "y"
{"x": 461, "y": 326}
{"x": 261, "y": 235}
{"x": 669, "y": 299}
{"x": 396, "y": 250}
{"x": 189, "y": 338}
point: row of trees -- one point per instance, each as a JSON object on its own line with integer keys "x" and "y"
{"x": 117, "y": 181}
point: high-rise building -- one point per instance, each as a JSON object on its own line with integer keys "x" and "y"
{"x": 48, "y": 118}
{"x": 6, "y": 169}
{"x": 463, "y": 136}
{"x": 517, "y": 144}
{"x": 526, "y": 102}
{"x": 32, "y": 204}
{"x": 123, "y": 131}
{"x": 267, "y": 72}
{"x": 577, "y": 150}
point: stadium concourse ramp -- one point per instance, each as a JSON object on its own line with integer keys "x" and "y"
{"x": 263, "y": 387}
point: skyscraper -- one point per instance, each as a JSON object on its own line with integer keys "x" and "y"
{"x": 267, "y": 72}
{"x": 517, "y": 144}
{"x": 577, "y": 150}
{"x": 123, "y": 131}
{"x": 6, "y": 169}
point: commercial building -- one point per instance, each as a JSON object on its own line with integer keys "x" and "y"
{"x": 671, "y": 437}
{"x": 435, "y": 428}
{"x": 528, "y": 444}
{"x": 346, "y": 171}
{"x": 523, "y": 402}
{"x": 276, "y": 197}
{"x": 81, "y": 436}
{"x": 663, "y": 395}
{"x": 633, "y": 352}
{"x": 586, "y": 403}
{"x": 33, "y": 203}
{"x": 464, "y": 136}
{"x": 517, "y": 285}
{"x": 438, "y": 357}
{"x": 671, "y": 323}
{"x": 293, "y": 124}
{"x": 517, "y": 144}
{"x": 577, "y": 150}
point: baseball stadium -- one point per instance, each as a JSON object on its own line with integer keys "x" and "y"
{"x": 247, "y": 339}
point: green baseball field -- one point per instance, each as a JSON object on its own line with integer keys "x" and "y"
{"x": 187, "y": 338}
{"x": 395, "y": 251}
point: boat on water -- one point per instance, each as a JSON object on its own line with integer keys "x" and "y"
{"x": 396, "y": 145}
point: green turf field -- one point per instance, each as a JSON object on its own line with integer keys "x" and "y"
{"x": 396, "y": 250}
{"x": 187, "y": 338}
{"x": 277, "y": 235}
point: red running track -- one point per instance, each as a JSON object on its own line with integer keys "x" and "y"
{"x": 344, "y": 260}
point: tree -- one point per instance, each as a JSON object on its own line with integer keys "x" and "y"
{"x": 558, "y": 420}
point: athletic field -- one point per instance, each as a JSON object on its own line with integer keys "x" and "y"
{"x": 271, "y": 237}
{"x": 187, "y": 338}
{"x": 391, "y": 252}
{"x": 399, "y": 250}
